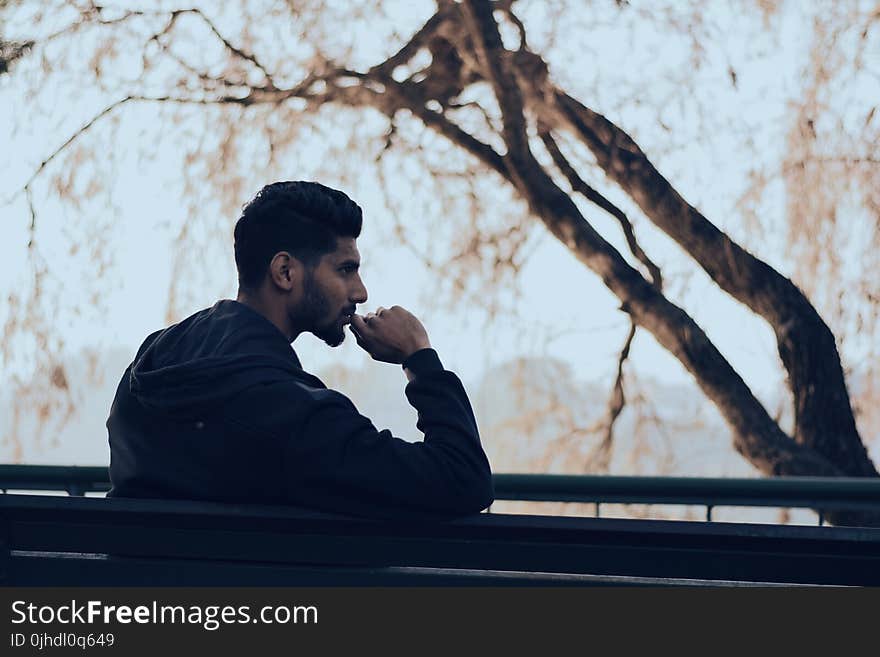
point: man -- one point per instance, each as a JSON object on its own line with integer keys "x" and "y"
{"x": 218, "y": 407}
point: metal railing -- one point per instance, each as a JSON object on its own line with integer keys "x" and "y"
{"x": 74, "y": 479}
{"x": 818, "y": 493}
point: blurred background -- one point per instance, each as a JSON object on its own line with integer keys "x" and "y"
{"x": 132, "y": 134}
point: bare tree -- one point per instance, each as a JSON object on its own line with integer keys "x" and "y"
{"x": 467, "y": 74}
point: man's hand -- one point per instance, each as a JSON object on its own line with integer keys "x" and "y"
{"x": 390, "y": 335}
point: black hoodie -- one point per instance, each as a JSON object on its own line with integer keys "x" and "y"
{"x": 219, "y": 408}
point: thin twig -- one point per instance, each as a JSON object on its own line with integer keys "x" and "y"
{"x": 240, "y": 52}
{"x": 85, "y": 15}
{"x": 405, "y": 53}
{"x": 616, "y": 403}
{"x": 405, "y": 97}
{"x": 67, "y": 143}
{"x": 32, "y": 229}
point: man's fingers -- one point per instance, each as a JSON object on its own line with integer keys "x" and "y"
{"x": 359, "y": 339}
{"x": 362, "y": 331}
{"x": 359, "y": 325}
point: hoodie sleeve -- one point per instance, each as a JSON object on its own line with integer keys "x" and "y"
{"x": 339, "y": 461}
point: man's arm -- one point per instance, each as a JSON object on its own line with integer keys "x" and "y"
{"x": 339, "y": 461}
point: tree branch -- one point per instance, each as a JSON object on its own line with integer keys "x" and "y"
{"x": 32, "y": 229}
{"x": 239, "y": 52}
{"x": 756, "y": 434}
{"x": 579, "y": 185}
{"x": 416, "y": 43}
{"x": 247, "y": 100}
{"x": 91, "y": 15}
{"x": 487, "y": 43}
{"x": 406, "y": 96}
{"x": 67, "y": 143}
{"x": 824, "y": 420}
{"x": 201, "y": 75}
{"x": 600, "y": 456}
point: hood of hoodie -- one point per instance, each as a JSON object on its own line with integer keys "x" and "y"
{"x": 210, "y": 357}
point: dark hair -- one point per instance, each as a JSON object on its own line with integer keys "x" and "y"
{"x": 303, "y": 218}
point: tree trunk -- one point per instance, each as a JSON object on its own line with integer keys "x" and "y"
{"x": 826, "y": 441}
{"x": 824, "y": 418}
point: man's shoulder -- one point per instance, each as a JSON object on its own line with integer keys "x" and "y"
{"x": 280, "y": 406}
{"x": 147, "y": 342}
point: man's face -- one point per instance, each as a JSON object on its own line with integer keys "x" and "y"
{"x": 331, "y": 292}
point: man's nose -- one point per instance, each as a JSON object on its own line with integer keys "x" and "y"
{"x": 359, "y": 294}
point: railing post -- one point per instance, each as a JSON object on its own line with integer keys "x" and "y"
{"x": 708, "y": 513}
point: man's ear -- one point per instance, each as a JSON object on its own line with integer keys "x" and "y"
{"x": 284, "y": 270}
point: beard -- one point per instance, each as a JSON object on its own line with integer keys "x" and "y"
{"x": 314, "y": 308}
